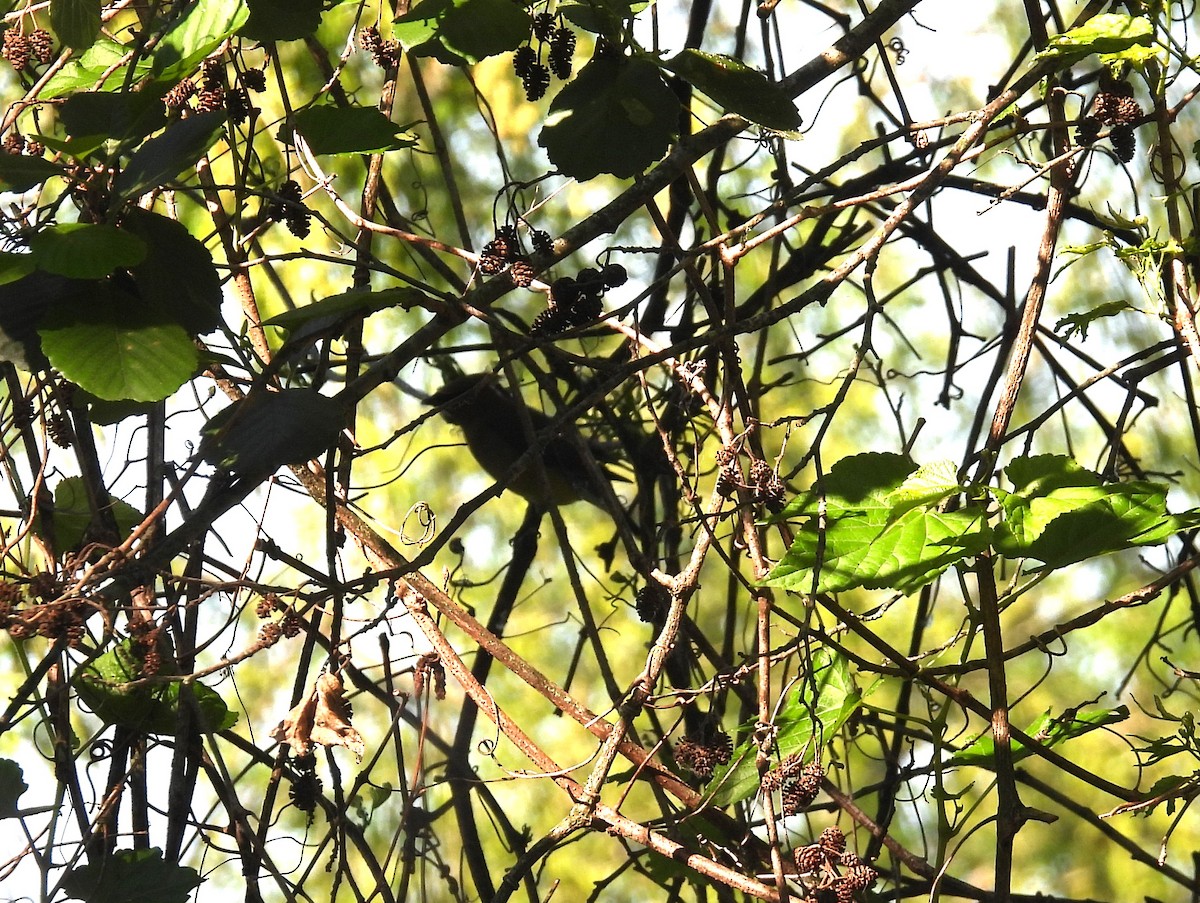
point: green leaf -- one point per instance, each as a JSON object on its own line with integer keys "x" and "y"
{"x": 817, "y": 709}
{"x": 15, "y": 266}
{"x": 115, "y": 346}
{"x": 617, "y": 116}
{"x": 12, "y": 785}
{"x": 205, "y": 27}
{"x": 76, "y": 22}
{"x": 1060, "y": 513}
{"x": 1049, "y": 730}
{"x": 904, "y": 554}
{"x": 1079, "y": 322}
{"x": 737, "y": 88}
{"x": 101, "y": 65}
{"x": 1105, "y": 33}
{"x": 153, "y": 708}
{"x": 132, "y": 876}
{"x": 73, "y": 514}
{"x": 350, "y": 130}
{"x": 353, "y": 303}
{"x": 120, "y": 115}
{"x": 177, "y": 276}
{"x": 267, "y": 430}
{"x": 927, "y": 485}
{"x": 881, "y": 529}
{"x": 282, "y": 20}
{"x": 19, "y": 172}
{"x": 161, "y": 159}
{"x": 603, "y": 17}
{"x": 85, "y": 250}
{"x": 470, "y": 30}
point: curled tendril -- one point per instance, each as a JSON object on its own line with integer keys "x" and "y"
{"x": 426, "y": 520}
{"x": 897, "y": 47}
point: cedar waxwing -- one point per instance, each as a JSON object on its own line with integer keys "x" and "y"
{"x": 495, "y": 431}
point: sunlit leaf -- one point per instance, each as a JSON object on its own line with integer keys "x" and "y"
{"x": 1050, "y": 730}
{"x": 814, "y": 712}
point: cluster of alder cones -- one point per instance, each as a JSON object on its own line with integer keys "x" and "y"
{"x": 1114, "y": 107}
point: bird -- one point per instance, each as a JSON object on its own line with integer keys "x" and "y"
{"x": 494, "y": 426}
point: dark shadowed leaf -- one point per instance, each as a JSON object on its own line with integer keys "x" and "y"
{"x": 85, "y": 250}
{"x": 467, "y": 30}
{"x": 113, "y": 115}
{"x": 617, "y": 116}
{"x": 347, "y": 304}
{"x": 177, "y": 275}
{"x": 12, "y": 785}
{"x": 115, "y": 346}
{"x": 267, "y": 430}
{"x": 350, "y": 130}
{"x": 20, "y": 173}
{"x": 76, "y": 22}
{"x": 132, "y": 876}
{"x": 282, "y": 20}
{"x": 737, "y": 88}
{"x": 73, "y": 514}
{"x": 161, "y": 159}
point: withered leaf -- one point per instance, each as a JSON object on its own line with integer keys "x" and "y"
{"x": 322, "y": 717}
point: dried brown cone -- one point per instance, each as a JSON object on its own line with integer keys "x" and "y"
{"x": 550, "y": 321}
{"x": 728, "y": 481}
{"x": 521, "y": 271}
{"x": 809, "y": 858}
{"x": 562, "y": 49}
{"x": 370, "y": 40}
{"x": 61, "y": 432}
{"x": 701, "y": 755}
{"x": 306, "y": 786}
{"x": 861, "y": 877}
{"x": 785, "y": 771}
{"x": 266, "y": 605}
{"x": 1124, "y": 143}
{"x": 543, "y": 26}
{"x": 255, "y": 80}
{"x": 651, "y": 602}
{"x": 291, "y": 625}
{"x": 14, "y": 143}
{"x": 41, "y": 45}
{"x": 542, "y": 242}
{"x": 1114, "y": 103}
{"x": 833, "y": 840}
{"x": 237, "y": 104}
{"x": 298, "y": 222}
{"x": 843, "y": 891}
{"x": 793, "y": 798}
{"x": 1087, "y": 130}
{"x": 269, "y": 633}
{"x": 16, "y": 48}
{"x": 536, "y": 81}
{"x": 180, "y": 94}
{"x": 524, "y": 59}
{"x": 210, "y": 98}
